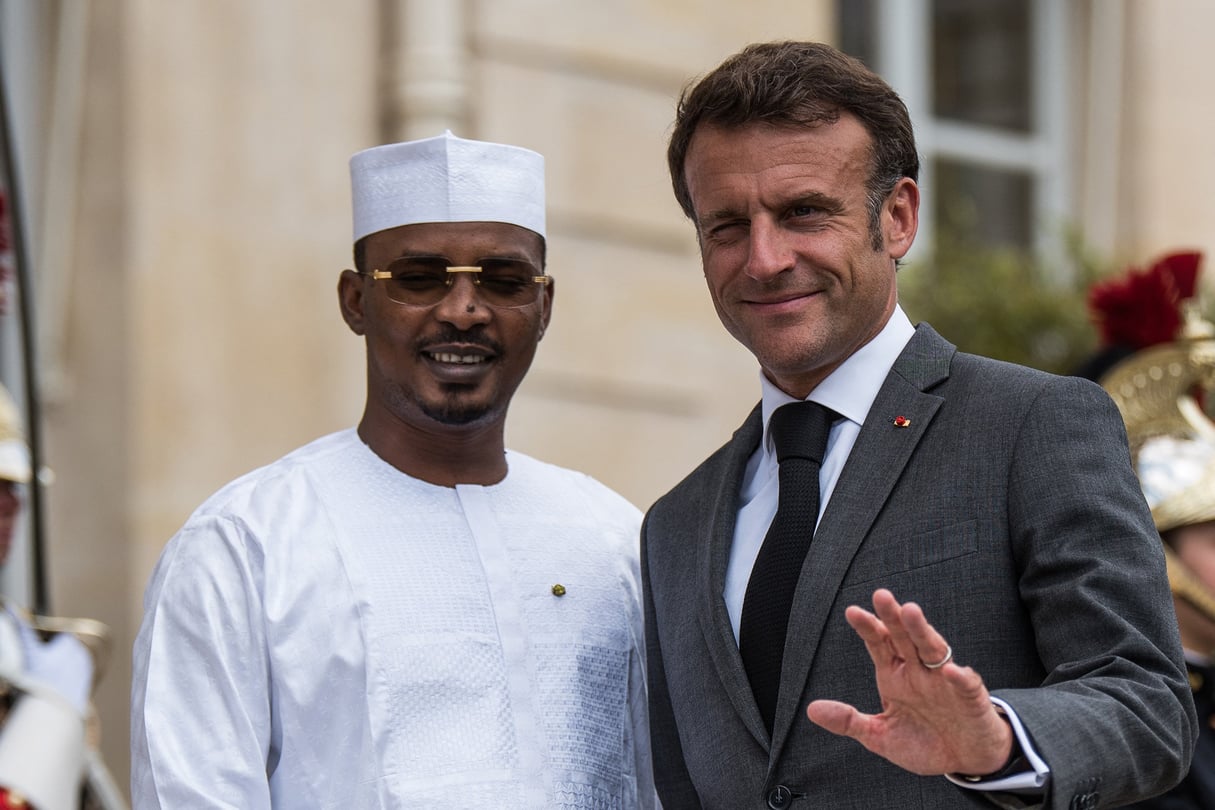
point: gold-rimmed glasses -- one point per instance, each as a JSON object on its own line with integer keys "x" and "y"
{"x": 423, "y": 281}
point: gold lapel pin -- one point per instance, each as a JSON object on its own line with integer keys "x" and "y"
{"x": 902, "y": 421}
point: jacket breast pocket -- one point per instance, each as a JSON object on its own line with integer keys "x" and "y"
{"x": 881, "y": 557}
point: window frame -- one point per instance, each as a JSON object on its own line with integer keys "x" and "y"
{"x": 902, "y": 38}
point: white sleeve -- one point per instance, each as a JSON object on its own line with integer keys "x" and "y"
{"x": 639, "y": 710}
{"x": 201, "y": 734}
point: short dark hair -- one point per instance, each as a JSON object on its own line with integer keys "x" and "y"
{"x": 798, "y": 84}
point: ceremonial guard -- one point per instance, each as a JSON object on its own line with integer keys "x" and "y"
{"x": 1158, "y": 363}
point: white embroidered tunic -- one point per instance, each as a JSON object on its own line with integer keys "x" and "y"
{"x": 328, "y": 632}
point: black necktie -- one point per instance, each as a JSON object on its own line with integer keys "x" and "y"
{"x": 799, "y": 431}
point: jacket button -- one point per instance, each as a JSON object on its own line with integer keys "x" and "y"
{"x": 1084, "y": 801}
{"x": 779, "y": 797}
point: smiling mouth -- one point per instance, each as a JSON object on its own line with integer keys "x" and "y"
{"x": 781, "y": 299}
{"x": 458, "y": 359}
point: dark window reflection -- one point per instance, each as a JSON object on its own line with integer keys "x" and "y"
{"x": 991, "y": 207}
{"x": 857, "y": 30}
{"x": 981, "y": 62}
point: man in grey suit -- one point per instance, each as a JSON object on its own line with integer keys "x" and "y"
{"x": 994, "y": 500}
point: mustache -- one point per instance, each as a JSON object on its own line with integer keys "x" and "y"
{"x": 449, "y": 334}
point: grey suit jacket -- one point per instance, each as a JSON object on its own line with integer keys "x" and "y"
{"x": 1009, "y": 511}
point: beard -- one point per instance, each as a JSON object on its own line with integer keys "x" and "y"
{"x": 452, "y": 406}
{"x": 454, "y": 413}
{"x": 455, "y": 406}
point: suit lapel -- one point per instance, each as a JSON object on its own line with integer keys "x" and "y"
{"x": 882, "y": 450}
{"x": 714, "y": 557}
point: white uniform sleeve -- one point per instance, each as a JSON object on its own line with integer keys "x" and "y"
{"x": 63, "y": 663}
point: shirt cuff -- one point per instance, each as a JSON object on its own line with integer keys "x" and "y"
{"x": 1035, "y": 775}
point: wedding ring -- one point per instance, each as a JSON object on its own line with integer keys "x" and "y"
{"x": 948, "y": 657}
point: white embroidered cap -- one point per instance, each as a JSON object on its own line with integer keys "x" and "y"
{"x": 446, "y": 179}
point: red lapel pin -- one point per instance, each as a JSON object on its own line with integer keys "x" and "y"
{"x": 902, "y": 421}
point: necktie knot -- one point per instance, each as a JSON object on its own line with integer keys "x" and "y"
{"x": 799, "y": 430}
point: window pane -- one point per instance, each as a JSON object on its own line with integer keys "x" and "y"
{"x": 989, "y": 206}
{"x": 856, "y": 29}
{"x": 981, "y": 62}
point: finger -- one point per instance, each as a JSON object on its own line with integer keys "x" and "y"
{"x": 890, "y": 612}
{"x": 967, "y": 684}
{"x": 838, "y": 718}
{"x": 867, "y": 626}
{"x": 873, "y": 632}
{"x": 931, "y": 647}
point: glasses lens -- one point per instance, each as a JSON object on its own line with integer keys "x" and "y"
{"x": 424, "y": 281}
{"x": 420, "y": 282}
{"x": 508, "y": 284}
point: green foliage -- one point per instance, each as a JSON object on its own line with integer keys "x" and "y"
{"x": 1004, "y": 304}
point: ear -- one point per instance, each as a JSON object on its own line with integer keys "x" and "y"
{"x": 549, "y": 292}
{"x": 901, "y": 217}
{"x": 350, "y": 299}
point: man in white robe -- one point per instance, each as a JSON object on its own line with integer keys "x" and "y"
{"x": 407, "y": 614}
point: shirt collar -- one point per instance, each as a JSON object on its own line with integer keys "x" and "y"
{"x": 851, "y": 388}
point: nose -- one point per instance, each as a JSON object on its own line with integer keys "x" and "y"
{"x": 462, "y": 306}
{"x": 768, "y": 250}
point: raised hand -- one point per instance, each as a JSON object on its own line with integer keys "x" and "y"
{"x": 936, "y": 715}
